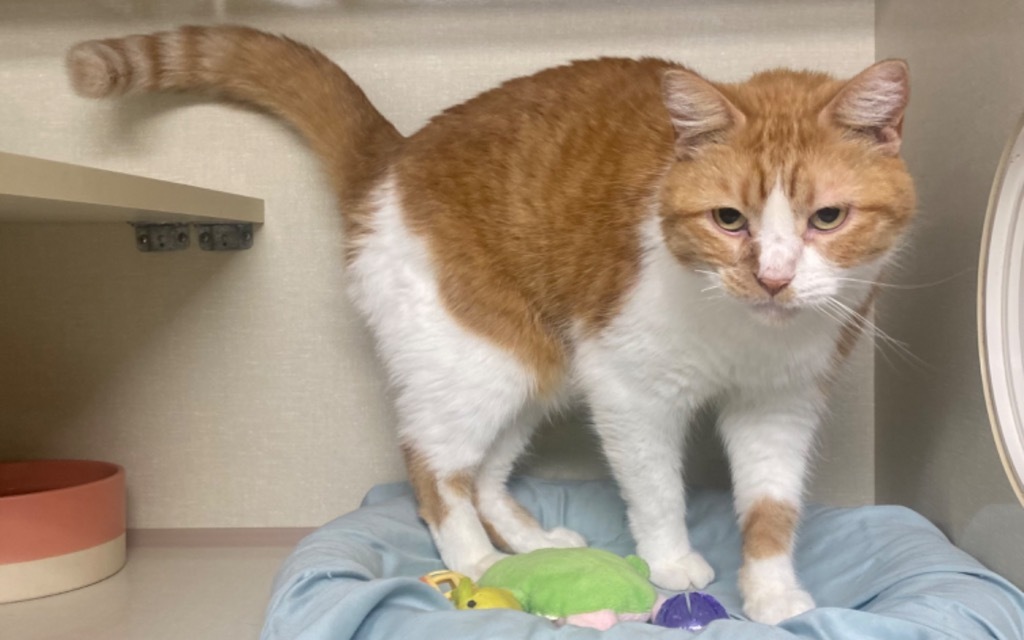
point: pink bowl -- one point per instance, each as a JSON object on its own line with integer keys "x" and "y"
{"x": 63, "y": 524}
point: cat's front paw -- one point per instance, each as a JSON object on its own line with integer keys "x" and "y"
{"x": 772, "y": 605}
{"x": 690, "y": 571}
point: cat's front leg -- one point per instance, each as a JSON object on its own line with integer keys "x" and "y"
{"x": 769, "y": 437}
{"x": 642, "y": 433}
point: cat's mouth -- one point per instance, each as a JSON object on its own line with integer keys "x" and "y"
{"x": 774, "y": 312}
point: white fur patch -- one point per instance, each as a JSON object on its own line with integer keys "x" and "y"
{"x": 497, "y": 506}
{"x": 780, "y": 244}
{"x": 460, "y": 538}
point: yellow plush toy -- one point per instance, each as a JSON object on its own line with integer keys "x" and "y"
{"x": 465, "y": 594}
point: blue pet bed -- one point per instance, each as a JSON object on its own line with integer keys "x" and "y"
{"x": 876, "y": 572}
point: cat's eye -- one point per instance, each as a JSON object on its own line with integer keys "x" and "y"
{"x": 729, "y": 219}
{"x": 828, "y": 218}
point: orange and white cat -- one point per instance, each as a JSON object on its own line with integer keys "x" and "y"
{"x": 623, "y": 231}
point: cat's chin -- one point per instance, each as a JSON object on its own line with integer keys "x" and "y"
{"x": 774, "y": 314}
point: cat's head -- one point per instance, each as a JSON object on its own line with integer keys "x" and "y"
{"x": 788, "y": 189}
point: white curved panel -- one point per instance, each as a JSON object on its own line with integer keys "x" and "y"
{"x": 1001, "y": 309}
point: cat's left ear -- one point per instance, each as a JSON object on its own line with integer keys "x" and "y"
{"x": 700, "y": 113}
{"x": 872, "y": 104}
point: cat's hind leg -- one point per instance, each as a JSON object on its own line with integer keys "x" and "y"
{"x": 456, "y": 390}
{"x": 512, "y": 527}
{"x": 450, "y": 418}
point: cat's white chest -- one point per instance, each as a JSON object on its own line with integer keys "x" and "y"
{"x": 676, "y": 339}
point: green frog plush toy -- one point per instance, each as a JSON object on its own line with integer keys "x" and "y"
{"x": 584, "y": 587}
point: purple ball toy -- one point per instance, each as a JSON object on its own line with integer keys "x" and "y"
{"x": 690, "y": 611}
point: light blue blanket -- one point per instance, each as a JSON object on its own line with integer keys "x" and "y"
{"x": 876, "y": 572}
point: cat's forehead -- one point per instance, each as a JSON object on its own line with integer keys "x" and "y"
{"x": 783, "y": 142}
{"x": 778, "y": 96}
{"x": 802, "y": 182}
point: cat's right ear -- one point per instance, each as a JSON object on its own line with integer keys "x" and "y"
{"x": 700, "y": 113}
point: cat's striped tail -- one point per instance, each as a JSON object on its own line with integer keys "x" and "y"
{"x": 293, "y": 81}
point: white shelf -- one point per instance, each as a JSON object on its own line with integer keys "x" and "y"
{"x": 36, "y": 190}
{"x": 167, "y": 591}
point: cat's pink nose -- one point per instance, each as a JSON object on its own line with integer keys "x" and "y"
{"x": 773, "y": 285}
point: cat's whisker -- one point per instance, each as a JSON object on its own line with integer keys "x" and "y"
{"x": 716, "y": 280}
{"x": 905, "y": 287}
{"x": 842, "y": 317}
{"x": 825, "y": 311}
{"x": 860, "y": 318}
{"x": 710, "y": 302}
{"x": 884, "y": 339}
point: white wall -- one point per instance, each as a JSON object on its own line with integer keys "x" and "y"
{"x": 935, "y": 451}
{"x": 241, "y": 390}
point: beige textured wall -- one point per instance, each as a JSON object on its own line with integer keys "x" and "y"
{"x": 241, "y": 390}
{"x": 935, "y": 450}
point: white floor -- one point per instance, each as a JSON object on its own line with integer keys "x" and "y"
{"x": 163, "y": 592}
